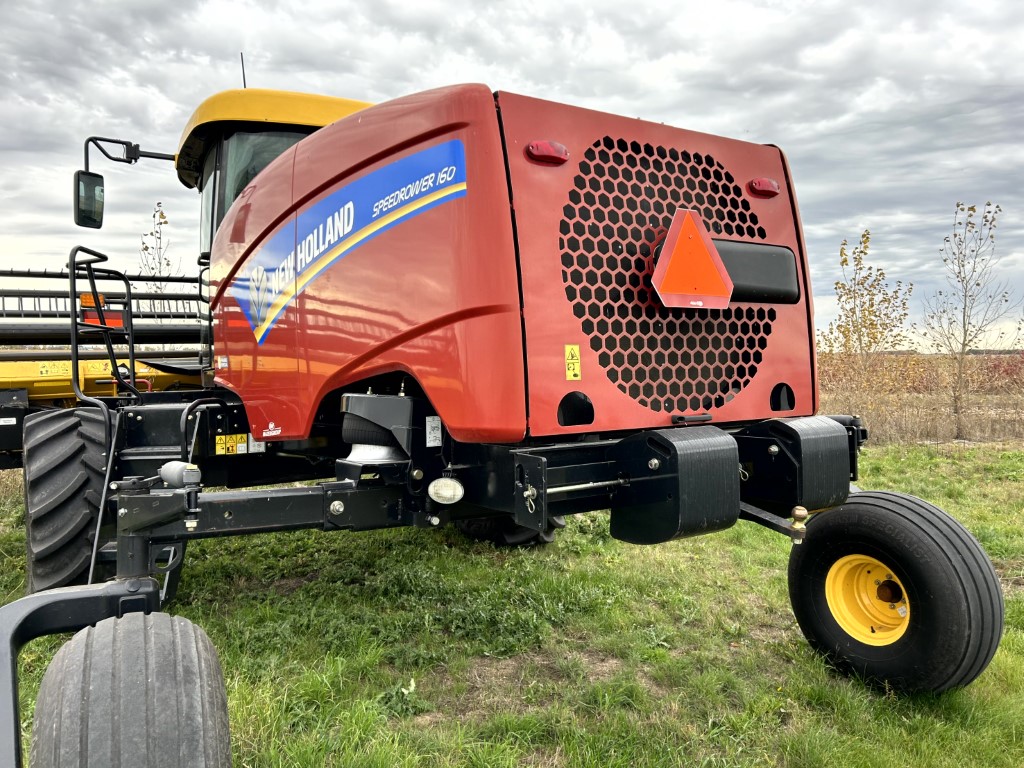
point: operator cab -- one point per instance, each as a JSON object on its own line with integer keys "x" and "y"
{"x": 230, "y": 138}
{"x": 234, "y": 135}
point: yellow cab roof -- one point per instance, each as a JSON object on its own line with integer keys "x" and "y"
{"x": 253, "y": 105}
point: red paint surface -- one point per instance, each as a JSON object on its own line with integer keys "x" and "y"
{"x": 438, "y": 296}
{"x": 539, "y": 195}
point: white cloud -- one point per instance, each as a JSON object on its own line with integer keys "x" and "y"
{"x": 889, "y": 114}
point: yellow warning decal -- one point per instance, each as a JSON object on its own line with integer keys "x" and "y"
{"x": 572, "y": 362}
{"x": 228, "y": 445}
{"x": 54, "y": 368}
{"x": 101, "y": 367}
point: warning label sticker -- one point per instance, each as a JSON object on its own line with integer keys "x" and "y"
{"x": 434, "y": 434}
{"x": 98, "y": 367}
{"x": 54, "y": 368}
{"x": 572, "y": 362}
{"x": 229, "y": 445}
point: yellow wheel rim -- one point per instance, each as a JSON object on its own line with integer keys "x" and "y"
{"x": 867, "y": 600}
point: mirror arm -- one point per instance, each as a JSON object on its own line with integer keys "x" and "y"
{"x": 132, "y": 153}
{"x": 154, "y": 155}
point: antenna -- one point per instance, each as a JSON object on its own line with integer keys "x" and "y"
{"x": 241, "y": 56}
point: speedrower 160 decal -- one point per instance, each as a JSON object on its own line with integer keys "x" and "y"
{"x": 339, "y": 223}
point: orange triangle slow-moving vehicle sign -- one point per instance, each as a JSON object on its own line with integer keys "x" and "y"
{"x": 689, "y": 272}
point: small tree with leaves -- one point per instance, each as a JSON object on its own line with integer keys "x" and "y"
{"x": 872, "y": 314}
{"x": 976, "y": 308}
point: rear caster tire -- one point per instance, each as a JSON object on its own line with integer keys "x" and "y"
{"x": 892, "y": 589}
{"x": 140, "y": 691}
{"x": 65, "y": 462}
{"x": 503, "y": 531}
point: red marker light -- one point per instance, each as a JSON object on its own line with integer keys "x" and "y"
{"x": 550, "y": 152}
{"x": 764, "y": 187}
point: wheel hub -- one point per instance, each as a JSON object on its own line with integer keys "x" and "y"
{"x": 867, "y": 600}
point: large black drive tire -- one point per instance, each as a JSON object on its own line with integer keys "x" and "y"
{"x": 65, "y": 461}
{"x": 503, "y": 531}
{"x": 892, "y": 589}
{"x": 137, "y": 691}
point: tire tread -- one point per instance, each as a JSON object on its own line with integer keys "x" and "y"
{"x": 143, "y": 690}
{"x": 972, "y": 578}
{"x": 978, "y": 579}
{"x": 64, "y": 470}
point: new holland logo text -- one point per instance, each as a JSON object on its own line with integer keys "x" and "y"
{"x": 337, "y": 226}
{"x": 322, "y": 234}
{"x": 265, "y": 287}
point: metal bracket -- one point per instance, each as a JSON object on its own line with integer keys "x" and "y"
{"x": 131, "y": 151}
{"x": 795, "y": 530}
{"x": 531, "y": 491}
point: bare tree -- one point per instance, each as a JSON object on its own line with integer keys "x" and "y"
{"x": 976, "y": 307}
{"x": 154, "y": 261}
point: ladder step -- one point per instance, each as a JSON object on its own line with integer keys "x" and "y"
{"x": 152, "y": 452}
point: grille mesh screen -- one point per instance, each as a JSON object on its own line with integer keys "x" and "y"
{"x": 669, "y": 360}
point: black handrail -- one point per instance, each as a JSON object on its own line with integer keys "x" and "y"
{"x": 82, "y": 263}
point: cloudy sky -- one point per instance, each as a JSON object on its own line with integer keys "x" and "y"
{"x": 889, "y": 112}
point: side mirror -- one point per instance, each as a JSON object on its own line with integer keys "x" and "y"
{"x": 88, "y": 199}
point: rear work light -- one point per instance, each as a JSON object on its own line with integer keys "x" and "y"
{"x": 446, "y": 490}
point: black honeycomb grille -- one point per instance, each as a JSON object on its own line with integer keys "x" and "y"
{"x": 667, "y": 359}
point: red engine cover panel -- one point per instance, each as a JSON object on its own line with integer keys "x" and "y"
{"x": 381, "y": 243}
{"x": 589, "y": 232}
{"x": 385, "y": 243}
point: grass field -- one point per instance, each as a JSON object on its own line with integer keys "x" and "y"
{"x": 418, "y": 648}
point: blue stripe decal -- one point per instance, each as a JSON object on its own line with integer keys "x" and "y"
{"x": 338, "y": 224}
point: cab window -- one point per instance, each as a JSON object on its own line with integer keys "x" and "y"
{"x": 208, "y": 183}
{"x": 246, "y": 154}
{"x": 229, "y": 167}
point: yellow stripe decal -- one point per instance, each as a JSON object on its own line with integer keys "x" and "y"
{"x": 325, "y": 260}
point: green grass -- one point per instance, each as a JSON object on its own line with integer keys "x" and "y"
{"x": 418, "y": 648}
